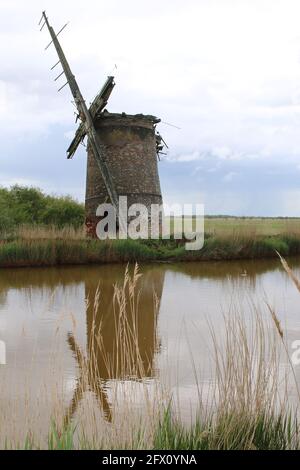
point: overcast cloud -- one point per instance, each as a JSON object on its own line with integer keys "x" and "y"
{"x": 226, "y": 72}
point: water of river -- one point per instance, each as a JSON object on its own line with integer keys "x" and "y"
{"x": 44, "y": 312}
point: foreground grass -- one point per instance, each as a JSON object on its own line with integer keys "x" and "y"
{"x": 230, "y": 431}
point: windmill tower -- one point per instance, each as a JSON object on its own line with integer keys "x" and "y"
{"x": 122, "y": 149}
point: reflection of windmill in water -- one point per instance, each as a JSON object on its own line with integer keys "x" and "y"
{"x": 121, "y": 336}
{"x": 122, "y": 149}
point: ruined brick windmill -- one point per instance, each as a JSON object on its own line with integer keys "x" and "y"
{"x": 122, "y": 149}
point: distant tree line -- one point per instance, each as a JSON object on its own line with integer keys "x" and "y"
{"x": 28, "y": 205}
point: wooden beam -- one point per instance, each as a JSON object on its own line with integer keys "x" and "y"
{"x": 96, "y": 107}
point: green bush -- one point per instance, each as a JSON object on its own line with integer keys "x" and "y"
{"x": 276, "y": 244}
{"x": 22, "y": 205}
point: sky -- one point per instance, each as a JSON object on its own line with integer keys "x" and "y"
{"x": 226, "y": 73}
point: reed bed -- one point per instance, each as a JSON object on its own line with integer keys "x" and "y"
{"x": 63, "y": 247}
{"x": 224, "y": 239}
{"x": 49, "y": 232}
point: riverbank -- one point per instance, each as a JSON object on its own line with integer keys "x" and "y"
{"x": 58, "y": 251}
{"x": 225, "y": 239}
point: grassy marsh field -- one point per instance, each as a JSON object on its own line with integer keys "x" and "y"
{"x": 255, "y": 226}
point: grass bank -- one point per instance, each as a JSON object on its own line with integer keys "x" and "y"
{"x": 40, "y": 247}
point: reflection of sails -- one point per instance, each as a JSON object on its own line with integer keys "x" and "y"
{"x": 121, "y": 334}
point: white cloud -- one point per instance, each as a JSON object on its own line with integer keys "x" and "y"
{"x": 229, "y": 177}
{"x": 213, "y": 169}
{"x": 69, "y": 135}
{"x": 291, "y": 202}
{"x": 221, "y": 152}
{"x": 189, "y": 157}
{"x": 7, "y": 182}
